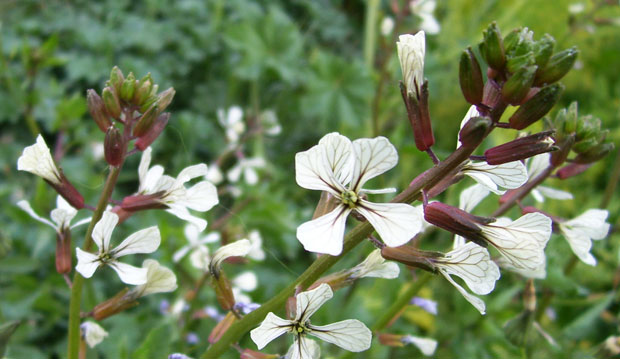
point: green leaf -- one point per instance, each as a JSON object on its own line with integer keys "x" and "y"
{"x": 156, "y": 344}
{"x": 583, "y": 323}
{"x": 6, "y": 330}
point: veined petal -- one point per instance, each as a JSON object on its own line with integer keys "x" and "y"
{"x": 37, "y": 160}
{"x": 128, "y": 273}
{"x": 426, "y": 345}
{"x": 93, "y": 333}
{"x": 523, "y": 241}
{"x": 581, "y": 246}
{"x": 25, "y": 206}
{"x": 81, "y": 222}
{"x": 151, "y": 181}
{"x": 326, "y": 233}
{"x": 143, "y": 167}
{"x": 538, "y": 273}
{"x": 239, "y": 248}
{"x": 591, "y": 223}
{"x": 378, "y": 191}
{"x": 310, "y": 301}
{"x": 375, "y": 266}
{"x": 475, "y": 301}
{"x": 201, "y": 197}
{"x": 182, "y": 212}
{"x": 472, "y": 196}
{"x": 339, "y": 151}
{"x": 103, "y": 230}
{"x": 350, "y": 334}
{"x": 473, "y": 264}
{"x": 507, "y": 175}
{"x": 271, "y": 328}
{"x": 373, "y": 156}
{"x": 159, "y": 279}
{"x": 191, "y": 172}
{"x": 303, "y": 348}
{"x": 396, "y": 223}
{"x": 537, "y": 164}
{"x": 87, "y": 263}
{"x": 143, "y": 241}
{"x": 313, "y": 171}
{"x": 554, "y": 193}
{"x": 411, "y": 51}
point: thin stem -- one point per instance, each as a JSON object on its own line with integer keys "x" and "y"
{"x": 78, "y": 280}
{"x": 370, "y": 31}
{"x": 523, "y": 191}
{"x": 612, "y": 183}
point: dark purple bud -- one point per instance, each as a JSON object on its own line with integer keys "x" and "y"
{"x": 457, "y": 221}
{"x": 521, "y": 148}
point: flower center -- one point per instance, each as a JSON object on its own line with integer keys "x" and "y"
{"x": 105, "y": 257}
{"x": 349, "y": 198}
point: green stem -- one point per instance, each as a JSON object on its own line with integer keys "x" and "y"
{"x": 402, "y": 301}
{"x": 78, "y": 280}
{"x": 370, "y": 31}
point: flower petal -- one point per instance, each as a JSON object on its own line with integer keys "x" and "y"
{"x": 591, "y": 223}
{"x": 537, "y": 164}
{"x": 128, "y": 273}
{"x": 473, "y": 264}
{"x": 179, "y": 254}
{"x": 159, "y": 279}
{"x": 475, "y": 301}
{"x": 201, "y": 197}
{"x": 373, "y": 156}
{"x": 239, "y": 248}
{"x": 396, "y": 223}
{"x": 554, "y": 193}
{"x": 25, "y": 206}
{"x": 411, "y": 50}
{"x": 375, "y": 266}
{"x": 303, "y": 348}
{"x": 427, "y": 346}
{"x": 271, "y": 328}
{"x": 472, "y": 196}
{"x": 246, "y": 281}
{"x": 191, "y": 172}
{"x": 507, "y": 175}
{"x": 339, "y": 151}
{"x": 199, "y": 258}
{"x": 183, "y": 213}
{"x": 350, "y": 334}
{"x": 103, "y": 230}
{"x": 309, "y": 301}
{"x": 326, "y": 233}
{"x": 93, "y": 333}
{"x": 37, "y": 160}
{"x": 313, "y": 171}
{"x": 87, "y": 263}
{"x": 143, "y": 241}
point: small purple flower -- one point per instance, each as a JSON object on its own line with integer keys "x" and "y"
{"x": 164, "y": 306}
{"x": 178, "y": 356}
{"x": 550, "y": 312}
{"x": 426, "y": 304}
{"x": 192, "y": 338}
{"x": 213, "y": 313}
{"x": 246, "y": 308}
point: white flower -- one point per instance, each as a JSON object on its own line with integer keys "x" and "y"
{"x": 61, "y": 216}
{"x": 232, "y": 121}
{"x": 270, "y": 123}
{"x": 92, "y": 333}
{"x": 576, "y": 8}
{"x": 335, "y": 163}
{"x": 247, "y": 167}
{"x": 195, "y": 241}
{"x": 375, "y": 266}
{"x": 200, "y": 197}
{"x": 474, "y": 265}
{"x": 424, "y": 9}
{"x": 580, "y": 231}
{"x": 243, "y": 283}
{"x": 387, "y": 26}
{"x": 508, "y": 175}
{"x": 214, "y": 174}
{"x": 159, "y": 279}
{"x": 200, "y": 258}
{"x": 144, "y": 241}
{"x": 411, "y": 50}
{"x": 521, "y": 242}
{"x": 38, "y": 160}
{"x": 256, "y": 249}
{"x": 426, "y": 345}
{"x": 536, "y": 165}
{"x": 351, "y": 334}
{"x": 468, "y": 200}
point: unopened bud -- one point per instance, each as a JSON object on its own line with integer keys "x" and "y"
{"x": 223, "y": 291}
{"x": 559, "y": 157}
{"x": 411, "y": 256}
{"x": 114, "y": 147}
{"x": 457, "y": 221}
{"x": 570, "y": 122}
{"x": 128, "y": 88}
{"x": 165, "y": 98}
{"x": 63, "y": 252}
{"x": 492, "y": 47}
{"x": 536, "y": 107}
{"x": 470, "y": 77}
{"x": 391, "y": 340}
{"x": 222, "y": 327}
{"x": 97, "y": 110}
{"x": 116, "y": 78}
{"x": 146, "y": 121}
{"x": 474, "y": 131}
{"x": 422, "y": 128}
{"x": 518, "y": 85}
{"x": 521, "y": 148}
{"x": 516, "y": 63}
{"x": 251, "y": 354}
{"x": 557, "y": 67}
{"x": 585, "y": 145}
{"x": 143, "y": 92}
{"x": 543, "y": 49}
{"x": 595, "y": 153}
{"x": 112, "y": 105}
{"x": 587, "y": 127}
{"x": 120, "y": 302}
{"x": 572, "y": 169}
{"x": 141, "y": 202}
{"x": 156, "y": 129}
{"x": 148, "y": 103}
{"x": 68, "y": 192}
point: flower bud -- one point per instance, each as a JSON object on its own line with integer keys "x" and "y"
{"x": 143, "y": 92}
{"x": 595, "y": 153}
{"x": 151, "y": 135}
{"x": 251, "y": 354}
{"x": 97, "y": 110}
{"x": 165, "y": 98}
{"x": 536, "y": 107}
{"x": 470, "y": 77}
{"x": 146, "y": 121}
{"x": 518, "y": 85}
{"x": 559, "y": 157}
{"x": 516, "y": 63}
{"x": 521, "y": 148}
{"x": 474, "y": 131}
{"x": 572, "y": 169}
{"x": 492, "y": 47}
{"x": 457, "y": 221}
{"x": 112, "y": 105}
{"x": 141, "y": 202}
{"x": 222, "y": 327}
{"x": 223, "y": 291}
{"x": 391, "y": 340}
{"x": 128, "y": 88}
{"x": 68, "y": 192}
{"x": 116, "y": 78}
{"x": 557, "y": 67}
{"x": 543, "y": 49}
{"x": 63, "y": 252}
{"x": 411, "y": 256}
{"x": 114, "y": 147}
{"x": 587, "y": 127}
{"x": 585, "y": 145}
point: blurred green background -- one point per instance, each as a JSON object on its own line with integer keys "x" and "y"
{"x": 319, "y": 66}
